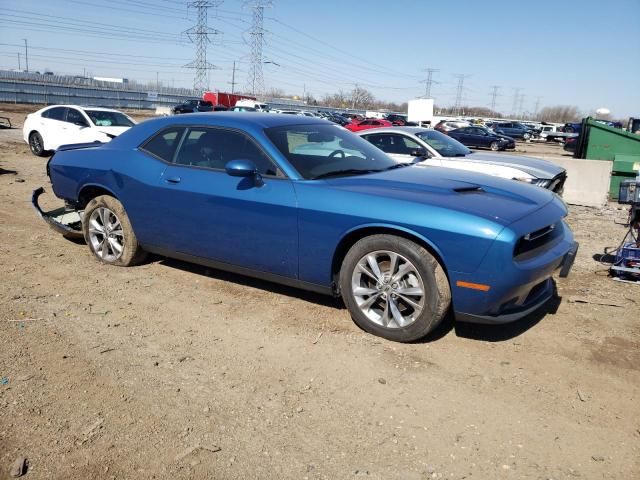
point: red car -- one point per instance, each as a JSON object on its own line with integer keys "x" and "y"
{"x": 357, "y": 125}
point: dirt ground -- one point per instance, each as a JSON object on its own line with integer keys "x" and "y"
{"x": 171, "y": 370}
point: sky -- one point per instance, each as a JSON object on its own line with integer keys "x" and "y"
{"x": 583, "y": 53}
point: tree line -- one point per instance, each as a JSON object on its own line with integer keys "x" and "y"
{"x": 360, "y": 98}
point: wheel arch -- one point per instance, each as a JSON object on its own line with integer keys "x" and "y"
{"x": 358, "y": 233}
{"x": 91, "y": 191}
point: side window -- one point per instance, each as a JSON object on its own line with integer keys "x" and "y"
{"x": 410, "y": 144}
{"x": 214, "y": 148}
{"x": 56, "y": 113}
{"x": 75, "y": 117}
{"x": 164, "y": 144}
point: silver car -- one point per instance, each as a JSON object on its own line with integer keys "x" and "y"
{"x": 431, "y": 148}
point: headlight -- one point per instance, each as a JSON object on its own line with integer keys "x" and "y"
{"x": 540, "y": 182}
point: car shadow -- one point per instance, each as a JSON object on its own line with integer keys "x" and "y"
{"x": 313, "y": 297}
{"x": 508, "y": 331}
{"x": 7, "y": 172}
{"x": 487, "y": 333}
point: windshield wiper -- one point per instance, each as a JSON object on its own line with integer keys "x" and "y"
{"x": 349, "y": 171}
{"x": 400, "y": 165}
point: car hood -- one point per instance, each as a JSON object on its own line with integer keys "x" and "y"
{"x": 496, "y": 199}
{"x": 533, "y": 166}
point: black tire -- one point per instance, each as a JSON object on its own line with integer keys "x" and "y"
{"x": 495, "y": 146}
{"x": 36, "y": 144}
{"x": 526, "y": 136}
{"x": 436, "y": 294}
{"x": 131, "y": 253}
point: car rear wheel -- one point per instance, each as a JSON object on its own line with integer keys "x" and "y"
{"x": 495, "y": 146}
{"x": 394, "y": 288}
{"x": 108, "y": 232}
{"x": 36, "y": 144}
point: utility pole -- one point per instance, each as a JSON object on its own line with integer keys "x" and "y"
{"x": 429, "y": 81}
{"x": 494, "y": 94}
{"x": 516, "y": 98}
{"x": 233, "y": 78}
{"x": 19, "y": 67}
{"x": 199, "y": 35}
{"x": 26, "y": 53}
{"x": 256, "y": 78}
{"x": 459, "y": 91}
{"x": 157, "y": 80}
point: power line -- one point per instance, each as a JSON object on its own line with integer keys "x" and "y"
{"x": 255, "y": 79}
{"x": 199, "y": 35}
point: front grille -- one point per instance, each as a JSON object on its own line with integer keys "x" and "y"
{"x": 529, "y": 244}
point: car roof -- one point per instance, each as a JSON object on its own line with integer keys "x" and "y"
{"x": 83, "y": 107}
{"x": 412, "y": 130}
{"x": 241, "y": 120}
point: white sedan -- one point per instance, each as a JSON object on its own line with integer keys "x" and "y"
{"x": 431, "y": 148}
{"x": 49, "y": 128}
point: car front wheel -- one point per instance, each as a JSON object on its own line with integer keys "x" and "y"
{"x": 495, "y": 146}
{"x": 36, "y": 144}
{"x": 108, "y": 232}
{"x": 394, "y": 288}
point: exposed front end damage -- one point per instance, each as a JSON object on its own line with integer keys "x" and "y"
{"x": 66, "y": 221}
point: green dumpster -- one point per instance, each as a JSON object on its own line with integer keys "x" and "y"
{"x": 624, "y": 166}
{"x": 598, "y": 141}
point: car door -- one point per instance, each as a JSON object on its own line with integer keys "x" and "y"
{"x": 76, "y": 128}
{"x": 50, "y": 127}
{"x": 397, "y": 146}
{"x": 462, "y": 135}
{"x": 480, "y": 137}
{"x": 236, "y": 220}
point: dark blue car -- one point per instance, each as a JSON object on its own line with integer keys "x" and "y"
{"x": 303, "y": 202}
{"x": 482, "y": 137}
{"x": 512, "y": 129}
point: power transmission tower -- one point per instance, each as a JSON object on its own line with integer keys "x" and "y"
{"x": 537, "y": 108}
{"x": 521, "y": 102}
{"x": 494, "y": 94}
{"x": 459, "y": 91}
{"x": 429, "y": 81}
{"x": 199, "y": 35}
{"x": 233, "y": 78}
{"x": 255, "y": 79}
{"x": 516, "y": 98}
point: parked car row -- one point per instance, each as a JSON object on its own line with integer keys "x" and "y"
{"x": 305, "y": 203}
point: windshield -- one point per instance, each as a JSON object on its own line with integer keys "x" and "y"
{"x": 327, "y": 150}
{"x": 443, "y": 144}
{"x": 101, "y": 118}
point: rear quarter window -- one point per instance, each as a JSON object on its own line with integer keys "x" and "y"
{"x": 163, "y": 145}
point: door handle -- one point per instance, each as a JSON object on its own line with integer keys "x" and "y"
{"x": 173, "y": 180}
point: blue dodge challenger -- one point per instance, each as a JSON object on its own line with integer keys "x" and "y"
{"x": 304, "y": 202}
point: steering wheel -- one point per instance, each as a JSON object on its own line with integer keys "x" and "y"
{"x": 335, "y": 153}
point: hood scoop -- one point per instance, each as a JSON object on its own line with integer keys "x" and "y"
{"x": 469, "y": 189}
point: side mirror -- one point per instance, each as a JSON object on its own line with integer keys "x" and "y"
{"x": 418, "y": 152}
{"x": 81, "y": 124}
{"x": 241, "y": 168}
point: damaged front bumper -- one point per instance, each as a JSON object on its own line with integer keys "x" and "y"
{"x": 64, "y": 221}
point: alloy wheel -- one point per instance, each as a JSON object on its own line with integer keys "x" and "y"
{"x": 388, "y": 289}
{"x": 105, "y": 234}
